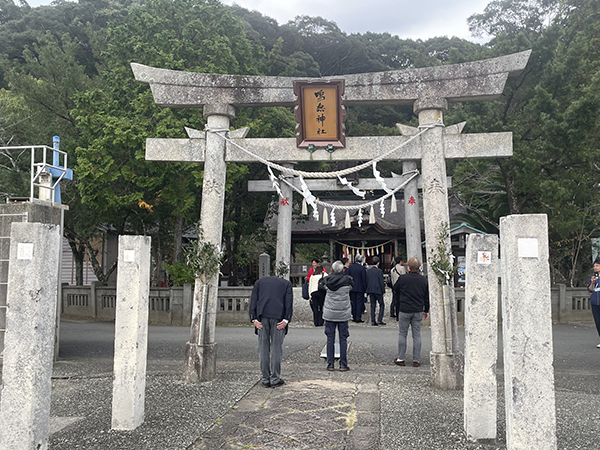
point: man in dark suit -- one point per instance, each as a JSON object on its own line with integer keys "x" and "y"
{"x": 357, "y": 294}
{"x": 271, "y": 307}
{"x": 376, "y": 290}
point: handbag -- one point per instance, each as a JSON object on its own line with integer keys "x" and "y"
{"x": 305, "y": 294}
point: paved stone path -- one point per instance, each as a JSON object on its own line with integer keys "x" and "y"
{"x": 334, "y": 411}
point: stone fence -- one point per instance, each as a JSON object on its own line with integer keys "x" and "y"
{"x": 173, "y": 306}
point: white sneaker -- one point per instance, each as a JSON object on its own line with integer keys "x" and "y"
{"x": 598, "y": 346}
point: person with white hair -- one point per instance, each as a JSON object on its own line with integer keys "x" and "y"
{"x": 336, "y": 312}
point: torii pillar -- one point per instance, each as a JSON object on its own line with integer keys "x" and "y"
{"x": 428, "y": 89}
{"x": 446, "y": 358}
{"x": 284, "y": 229}
{"x": 201, "y": 350}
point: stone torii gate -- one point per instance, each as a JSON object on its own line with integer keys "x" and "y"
{"x": 429, "y": 90}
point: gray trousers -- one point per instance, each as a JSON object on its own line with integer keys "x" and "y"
{"x": 414, "y": 320}
{"x": 270, "y": 350}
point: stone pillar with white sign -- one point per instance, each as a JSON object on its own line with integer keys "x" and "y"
{"x": 131, "y": 332}
{"x": 30, "y": 328}
{"x": 527, "y": 333}
{"x": 481, "y": 337}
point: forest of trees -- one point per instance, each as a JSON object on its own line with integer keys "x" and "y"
{"x": 65, "y": 70}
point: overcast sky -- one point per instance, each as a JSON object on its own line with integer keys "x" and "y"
{"x": 409, "y": 19}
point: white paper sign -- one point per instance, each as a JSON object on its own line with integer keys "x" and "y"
{"x": 484, "y": 258}
{"x": 25, "y": 251}
{"x": 129, "y": 255}
{"x": 528, "y": 248}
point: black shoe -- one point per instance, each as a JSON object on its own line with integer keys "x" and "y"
{"x": 381, "y": 323}
{"x": 393, "y": 316}
{"x": 374, "y": 324}
{"x": 267, "y": 385}
{"x": 279, "y": 383}
{"x": 359, "y": 321}
{"x": 344, "y": 368}
{"x": 330, "y": 367}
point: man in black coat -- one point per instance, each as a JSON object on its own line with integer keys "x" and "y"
{"x": 271, "y": 308}
{"x": 357, "y": 295}
{"x": 412, "y": 310}
{"x": 375, "y": 291}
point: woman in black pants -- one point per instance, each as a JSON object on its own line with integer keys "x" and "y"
{"x": 316, "y": 296}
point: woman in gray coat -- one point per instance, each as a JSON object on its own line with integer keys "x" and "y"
{"x": 337, "y": 313}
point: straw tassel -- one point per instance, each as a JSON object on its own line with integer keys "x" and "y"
{"x": 304, "y": 207}
{"x": 348, "y": 224}
{"x": 325, "y": 217}
{"x": 372, "y": 215}
{"x": 394, "y": 207}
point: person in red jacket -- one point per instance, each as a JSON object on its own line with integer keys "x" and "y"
{"x": 315, "y": 263}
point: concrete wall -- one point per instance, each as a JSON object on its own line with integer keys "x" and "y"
{"x": 173, "y": 306}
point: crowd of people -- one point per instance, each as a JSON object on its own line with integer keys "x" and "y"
{"x": 335, "y": 299}
{"x": 339, "y": 297}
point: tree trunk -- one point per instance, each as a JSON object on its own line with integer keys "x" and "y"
{"x": 177, "y": 237}
{"x": 511, "y": 190}
{"x": 97, "y": 267}
{"x": 231, "y": 260}
{"x": 78, "y": 251}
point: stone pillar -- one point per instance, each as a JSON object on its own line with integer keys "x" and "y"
{"x": 446, "y": 363}
{"x": 264, "y": 265}
{"x": 412, "y": 221}
{"x": 481, "y": 337}
{"x": 30, "y": 327}
{"x": 527, "y": 333}
{"x": 284, "y": 227}
{"x": 201, "y": 350}
{"x": 22, "y": 212}
{"x": 131, "y": 332}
